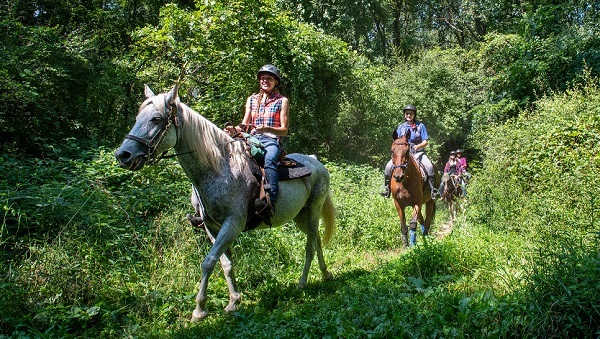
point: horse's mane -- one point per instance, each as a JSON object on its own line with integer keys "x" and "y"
{"x": 207, "y": 141}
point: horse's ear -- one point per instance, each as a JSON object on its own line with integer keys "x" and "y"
{"x": 173, "y": 94}
{"x": 148, "y": 92}
{"x": 395, "y": 134}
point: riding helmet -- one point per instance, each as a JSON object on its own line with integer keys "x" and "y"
{"x": 269, "y": 69}
{"x": 411, "y": 108}
{"x": 459, "y": 150}
{"x": 453, "y": 152}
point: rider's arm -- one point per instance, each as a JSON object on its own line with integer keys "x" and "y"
{"x": 247, "y": 121}
{"x": 248, "y": 115}
{"x": 421, "y": 145}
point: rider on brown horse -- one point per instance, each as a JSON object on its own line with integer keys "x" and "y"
{"x": 452, "y": 168}
{"x": 418, "y": 139}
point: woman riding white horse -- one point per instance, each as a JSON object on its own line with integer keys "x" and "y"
{"x": 225, "y": 187}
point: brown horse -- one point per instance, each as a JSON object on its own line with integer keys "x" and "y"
{"x": 408, "y": 188}
{"x": 451, "y": 193}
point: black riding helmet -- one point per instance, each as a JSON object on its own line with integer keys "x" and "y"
{"x": 410, "y": 108}
{"x": 271, "y": 70}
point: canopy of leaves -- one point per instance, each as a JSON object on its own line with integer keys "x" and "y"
{"x": 216, "y": 51}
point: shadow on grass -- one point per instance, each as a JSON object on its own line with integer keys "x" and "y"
{"x": 355, "y": 303}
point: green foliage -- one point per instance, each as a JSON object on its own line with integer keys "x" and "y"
{"x": 116, "y": 257}
{"x": 91, "y": 250}
{"x": 564, "y": 284}
{"x": 536, "y": 182}
{"x": 443, "y": 87}
{"x": 35, "y": 62}
{"x": 524, "y": 68}
{"x": 350, "y": 21}
{"x": 217, "y": 64}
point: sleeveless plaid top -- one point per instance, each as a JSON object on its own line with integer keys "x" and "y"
{"x": 268, "y": 114}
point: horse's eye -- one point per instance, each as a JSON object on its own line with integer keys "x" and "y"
{"x": 156, "y": 119}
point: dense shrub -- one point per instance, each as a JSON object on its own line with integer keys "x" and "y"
{"x": 537, "y": 182}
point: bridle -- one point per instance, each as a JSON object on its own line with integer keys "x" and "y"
{"x": 404, "y": 165}
{"x": 151, "y": 144}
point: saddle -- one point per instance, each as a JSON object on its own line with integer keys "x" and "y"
{"x": 422, "y": 168}
{"x": 288, "y": 169}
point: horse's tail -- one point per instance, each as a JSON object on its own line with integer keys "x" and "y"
{"x": 328, "y": 215}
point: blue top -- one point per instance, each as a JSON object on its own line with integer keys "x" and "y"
{"x": 416, "y": 133}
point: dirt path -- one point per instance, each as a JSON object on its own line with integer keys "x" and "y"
{"x": 384, "y": 256}
{"x": 444, "y": 230}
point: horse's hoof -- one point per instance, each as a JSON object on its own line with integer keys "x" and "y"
{"x": 198, "y": 315}
{"x": 232, "y": 307}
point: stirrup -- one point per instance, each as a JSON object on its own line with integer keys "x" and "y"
{"x": 264, "y": 210}
{"x": 386, "y": 192}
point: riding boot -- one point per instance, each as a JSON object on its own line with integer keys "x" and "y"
{"x": 386, "y": 187}
{"x": 434, "y": 192}
{"x": 441, "y": 190}
{"x": 264, "y": 206}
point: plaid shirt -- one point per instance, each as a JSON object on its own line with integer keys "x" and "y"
{"x": 268, "y": 114}
{"x": 462, "y": 163}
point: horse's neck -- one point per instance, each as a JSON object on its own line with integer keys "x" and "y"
{"x": 414, "y": 165}
{"x": 204, "y": 153}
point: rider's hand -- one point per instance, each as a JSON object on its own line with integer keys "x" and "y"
{"x": 231, "y": 130}
{"x": 262, "y": 129}
{"x": 246, "y": 128}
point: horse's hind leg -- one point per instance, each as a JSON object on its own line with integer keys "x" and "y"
{"x": 308, "y": 223}
{"x": 321, "y": 259}
{"x": 311, "y": 236}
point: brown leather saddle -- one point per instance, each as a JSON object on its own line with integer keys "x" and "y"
{"x": 288, "y": 169}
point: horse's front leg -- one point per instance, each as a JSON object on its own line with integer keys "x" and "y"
{"x": 403, "y": 227}
{"x": 227, "y": 265}
{"x": 219, "y": 249}
{"x": 234, "y": 295}
{"x": 429, "y": 215}
{"x": 417, "y": 216}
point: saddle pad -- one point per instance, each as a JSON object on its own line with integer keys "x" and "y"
{"x": 297, "y": 170}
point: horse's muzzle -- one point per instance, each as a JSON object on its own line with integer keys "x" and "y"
{"x": 399, "y": 178}
{"x": 130, "y": 161}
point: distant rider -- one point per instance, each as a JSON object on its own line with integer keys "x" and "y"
{"x": 452, "y": 167}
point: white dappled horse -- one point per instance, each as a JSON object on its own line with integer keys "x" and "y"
{"x": 219, "y": 169}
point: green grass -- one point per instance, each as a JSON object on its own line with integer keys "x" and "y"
{"x": 91, "y": 250}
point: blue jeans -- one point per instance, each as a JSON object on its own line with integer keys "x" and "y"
{"x": 271, "y": 159}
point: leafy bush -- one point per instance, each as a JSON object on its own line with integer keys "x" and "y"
{"x": 536, "y": 183}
